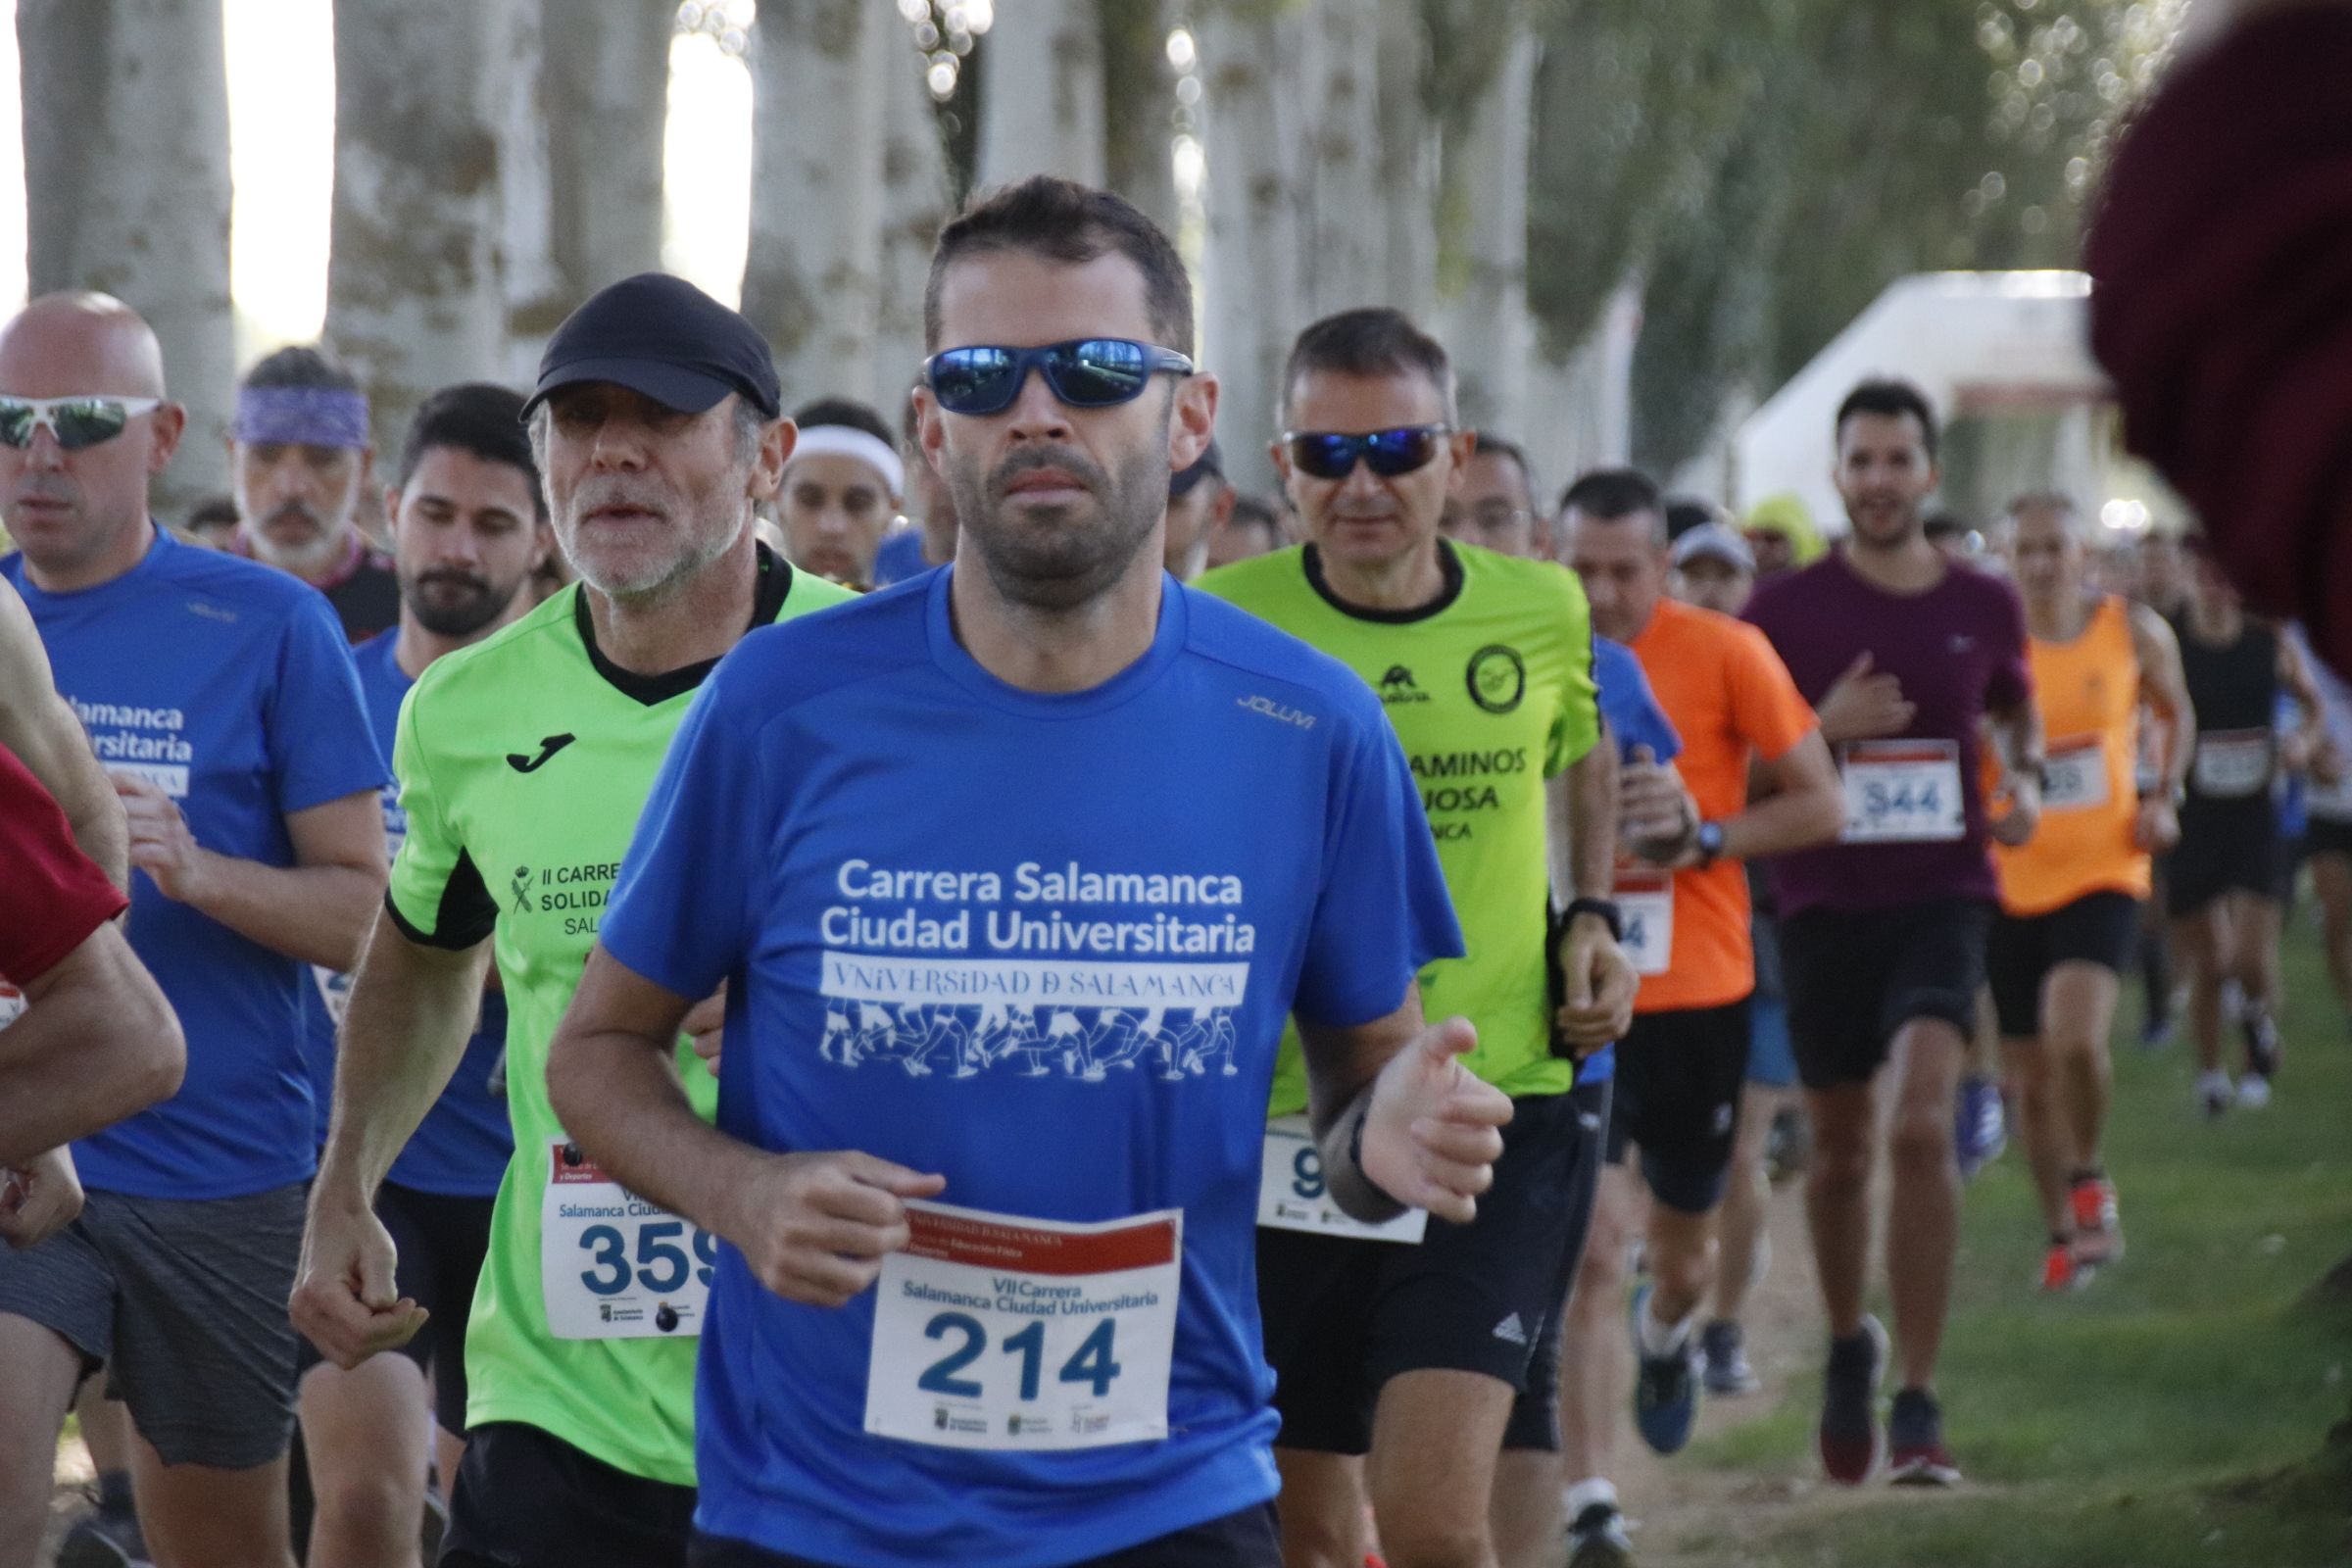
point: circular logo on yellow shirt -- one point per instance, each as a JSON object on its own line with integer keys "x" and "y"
{"x": 1498, "y": 678}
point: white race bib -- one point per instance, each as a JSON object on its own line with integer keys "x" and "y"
{"x": 1646, "y": 907}
{"x": 2074, "y": 778}
{"x": 1292, "y": 1194}
{"x": 613, "y": 1266}
{"x": 994, "y": 1331}
{"x": 1902, "y": 791}
{"x": 2233, "y": 764}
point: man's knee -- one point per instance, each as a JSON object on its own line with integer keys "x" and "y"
{"x": 1415, "y": 1542}
{"x": 1921, "y": 1138}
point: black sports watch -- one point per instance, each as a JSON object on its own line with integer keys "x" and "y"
{"x": 1709, "y": 840}
{"x": 1604, "y": 910}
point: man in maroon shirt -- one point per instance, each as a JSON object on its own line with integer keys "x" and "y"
{"x": 1883, "y": 932}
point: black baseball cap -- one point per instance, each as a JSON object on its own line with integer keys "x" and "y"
{"x": 1209, "y": 462}
{"x": 661, "y": 336}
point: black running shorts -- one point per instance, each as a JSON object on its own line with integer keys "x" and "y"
{"x": 2021, "y": 950}
{"x": 1679, "y": 1076}
{"x": 1856, "y": 976}
{"x": 1342, "y": 1315}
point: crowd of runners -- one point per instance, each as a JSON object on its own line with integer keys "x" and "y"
{"x": 709, "y": 981}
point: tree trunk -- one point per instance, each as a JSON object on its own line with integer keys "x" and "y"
{"x": 1041, "y": 93}
{"x": 585, "y": 184}
{"x": 1138, "y": 101}
{"x": 1408, "y": 162}
{"x": 1579, "y": 410}
{"x": 1488, "y": 328}
{"x": 1342, "y": 158}
{"x": 127, "y": 189}
{"x": 416, "y": 284}
{"x": 812, "y": 282}
{"x": 1255, "y": 267}
{"x": 916, "y": 205}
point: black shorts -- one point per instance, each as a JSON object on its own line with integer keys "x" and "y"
{"x": 1247, "y": 1539}
{"x": 1856, "y": 976}
{"x": 1679, "y": 1075}
{"x": 2021, "y": 950}
{"x": 1342, "y": 1315}
{"x": 2322, "y": 836}
{"x": 2223, "y": 851}
{"x": 525, "y": 1498}
{"x": 441, "y": 1242}
{"x": 1534, "y": 1423}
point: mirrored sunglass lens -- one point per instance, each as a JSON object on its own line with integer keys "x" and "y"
{"x": 85, "y": 424}
{"x": 1326, "y": 456}
{"x": 1100, "y": 371}
{"x": 971, "y": 381}
{"x": 15, "y": 423}
{"x": 1394, "y": 452}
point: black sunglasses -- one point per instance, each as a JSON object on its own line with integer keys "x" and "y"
{"x": 1389, "y": 453}
{"x": 1095, "y": 372}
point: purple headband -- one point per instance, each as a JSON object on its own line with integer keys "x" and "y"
{"x": 301, "y": 416}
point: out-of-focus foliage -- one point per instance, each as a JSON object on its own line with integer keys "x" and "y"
{"x": 1767, "y": 168}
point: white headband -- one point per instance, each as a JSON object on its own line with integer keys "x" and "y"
{"x": 848, "y": 441}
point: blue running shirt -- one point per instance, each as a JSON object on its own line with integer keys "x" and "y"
{"x": 228, "y": 684}
{"x": 1043, "y": 945}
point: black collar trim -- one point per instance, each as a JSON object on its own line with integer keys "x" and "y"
{"x": 1449, "y": 566}
{"x": 776, "y": 586}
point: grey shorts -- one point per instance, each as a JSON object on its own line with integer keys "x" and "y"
{"x": 185, "y": 1302}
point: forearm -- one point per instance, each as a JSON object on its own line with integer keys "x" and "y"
{"x": 1775, "y": 824}
{"x": 94, "y": 1048}
{"x": 317, "y": 914}
{"x": 412, "y": 1010}
{"x": 619, "y": 1097}
{"x": 2017, "y": 731}
{"x": 1581, "y": 832}
{"x": 1342, "y": 1065}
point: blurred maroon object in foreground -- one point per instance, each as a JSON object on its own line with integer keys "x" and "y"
{"x": 2221, "y": 260}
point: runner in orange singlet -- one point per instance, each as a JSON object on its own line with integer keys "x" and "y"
{"x": 2071, "y": 894}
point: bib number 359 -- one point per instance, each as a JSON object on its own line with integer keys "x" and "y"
{"x": 613, "y": 1266}
{"x": 994, "y": 1332}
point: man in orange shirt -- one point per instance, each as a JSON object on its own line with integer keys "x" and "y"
{"x": 1685, "y": 892}
{"x": 2071, "y": 894}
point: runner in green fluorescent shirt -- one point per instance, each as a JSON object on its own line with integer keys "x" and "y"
{"x": 524, "y": 763}
{"x": 1483, "y": 663}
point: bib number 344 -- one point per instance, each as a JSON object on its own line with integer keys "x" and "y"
{"x": 994, "y": 1331}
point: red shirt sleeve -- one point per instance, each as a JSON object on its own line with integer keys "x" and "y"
{"x": 56, "y": 896}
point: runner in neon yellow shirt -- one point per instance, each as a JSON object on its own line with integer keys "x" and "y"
{"x": 524, "y": 763}
{"x": 1483, "y": 664}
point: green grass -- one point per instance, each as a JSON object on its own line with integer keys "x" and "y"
{"x": 2175, "y": 1412}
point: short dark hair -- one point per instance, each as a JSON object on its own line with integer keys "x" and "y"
{"x": 1610, "y": 494}
{"x": 1491, "y": 445}
{"x": 1066, "y": 221}
{"x": 212, "y": 512}
{"x": 307, "y": 365}
{"x": 1370, "y": 340}
{"x": 1889, "y": 399}
{"x": 847, "y": 411}
{"x": 1686, "y": 513}
{"x": 481, "y": 418}
{"x": 1250, "y": 511}
{"x": 1944, "y": 525}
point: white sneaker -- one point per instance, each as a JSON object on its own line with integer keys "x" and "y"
{"x": 2253, "y": 1091}
{"x": 2216, "y": 1091}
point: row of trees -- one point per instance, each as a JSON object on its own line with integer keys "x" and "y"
{"x": 1536, "y": 178}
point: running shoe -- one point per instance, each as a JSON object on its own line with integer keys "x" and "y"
{"x": 2253, "y": 1091}
{"x": 1980, "y": 1132}
{"x": 2262, "y": 1043}
{"x": 1914, "y": 1433}
{"x": 2217, "y": 1092}
{"x": 2098, "y": 1229}
{"x": 1723, "y": 1354}
{"x": 1849, "y": 1437}
{"x": 1596, "y": 1538}
{"x": 102, "y": 1539}
{"x": 1665, "y": 1387}
{"x": 2061, "y": 1269}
